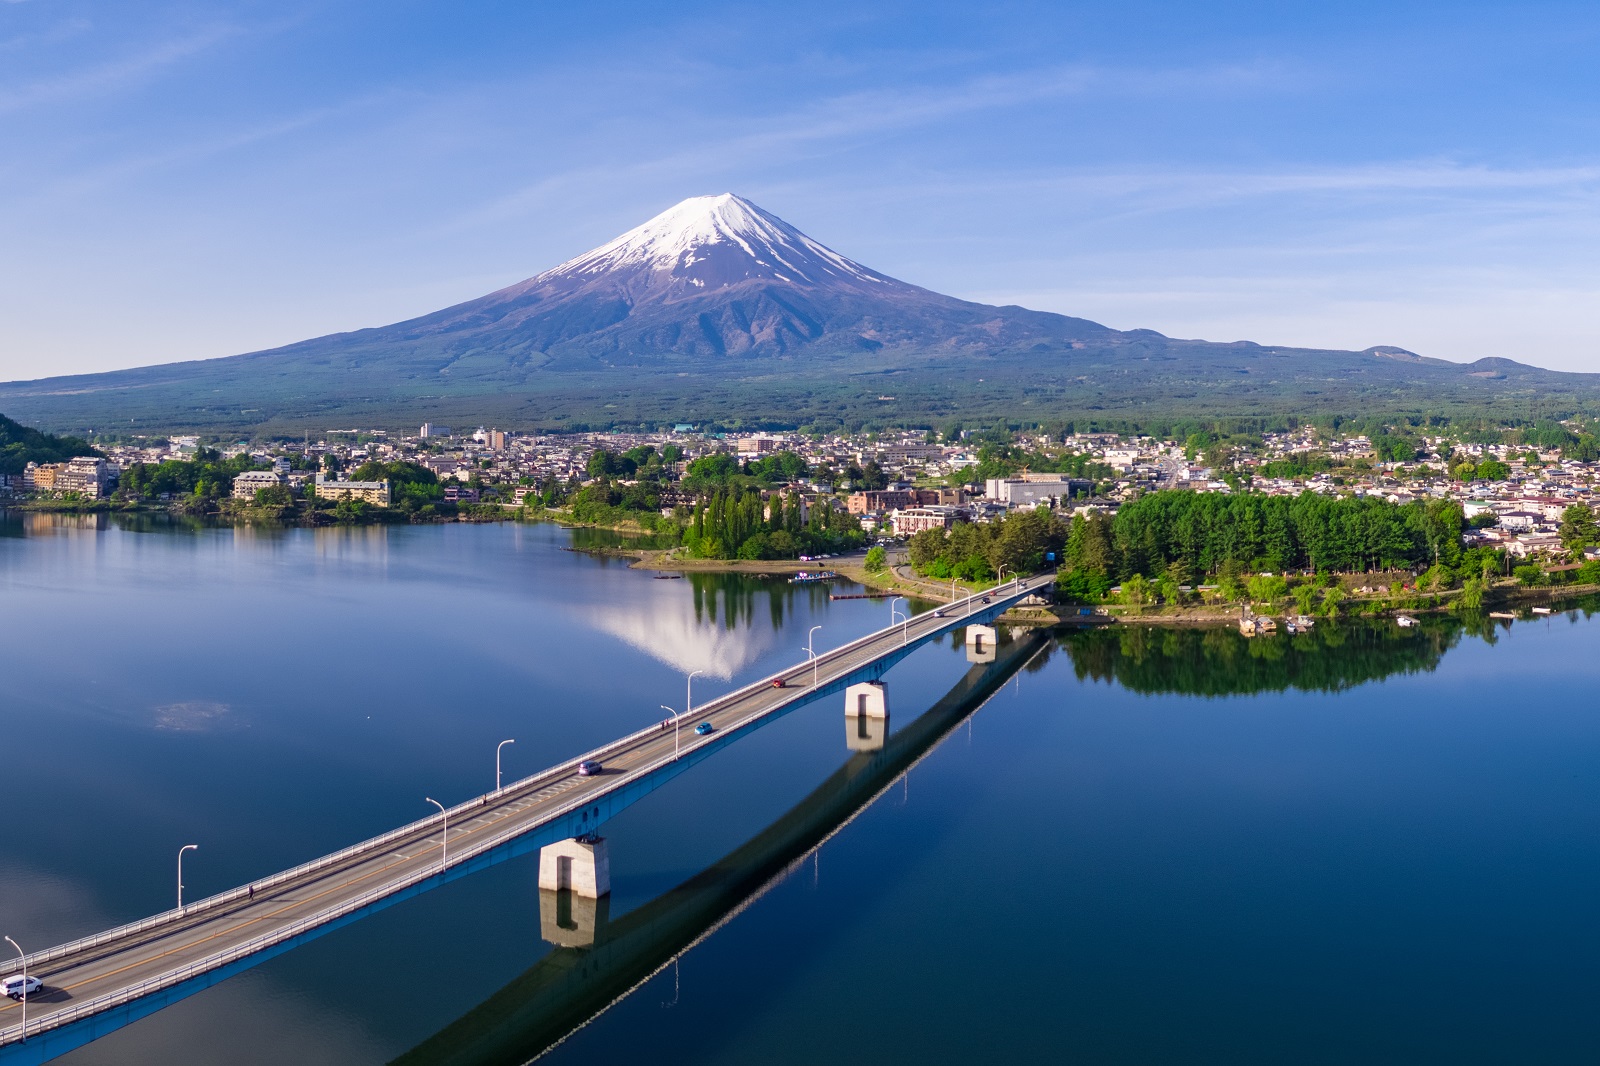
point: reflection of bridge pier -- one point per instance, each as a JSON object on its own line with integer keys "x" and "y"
{"x": 866, "y": 716}
{"x": 569, "y": 920}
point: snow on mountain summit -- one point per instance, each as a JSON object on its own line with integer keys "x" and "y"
{"x": 709, "y": 242}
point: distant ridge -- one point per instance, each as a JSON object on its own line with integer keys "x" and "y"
{"x": 717, "y": 310}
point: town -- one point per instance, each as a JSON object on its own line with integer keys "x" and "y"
{"x": 1513, "y": 491}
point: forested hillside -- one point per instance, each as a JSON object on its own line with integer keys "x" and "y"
{"x": 20, "y": 446}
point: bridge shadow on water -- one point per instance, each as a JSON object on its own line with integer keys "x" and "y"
{"x": 605, "y": 960}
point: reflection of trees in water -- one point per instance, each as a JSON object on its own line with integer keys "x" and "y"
{"x": 734, "y": 599}
{"x": 1222, "y": 662}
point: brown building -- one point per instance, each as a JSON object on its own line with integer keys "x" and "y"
{"x": 860, "y": 503}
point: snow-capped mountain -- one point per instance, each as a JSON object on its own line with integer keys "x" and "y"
{"x": 718, "y": 276}
{"x": 718, "y": 310}
{"x": 710, "y": 242}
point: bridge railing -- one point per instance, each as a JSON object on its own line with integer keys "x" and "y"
{"x": 426, "y": 825}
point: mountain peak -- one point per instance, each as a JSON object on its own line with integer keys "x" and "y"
{"x": 708, "y": 242}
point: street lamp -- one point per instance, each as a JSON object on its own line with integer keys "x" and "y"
{"x": 24, "y": 957}
{"x": 497, "y": 748}
{"x": 186, "y": 847}
{"x": 905, "y": 631}
{"x": 812, "y": 654}
{"x": 688, "y": 699}
{"x": 444, "y": 838}
{"x": 674, "y": 714}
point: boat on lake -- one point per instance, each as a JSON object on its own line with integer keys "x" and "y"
{"x": 807, "y": 576}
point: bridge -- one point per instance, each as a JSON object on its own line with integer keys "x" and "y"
{"x": 598, "y": 962}
{"x": 100, "y": 983}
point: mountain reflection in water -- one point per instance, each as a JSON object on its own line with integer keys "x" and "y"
{"x": 715, "y": 631}
{"x": 571, "y": 986}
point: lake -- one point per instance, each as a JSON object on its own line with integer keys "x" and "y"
{"x": 1123, "y": 845}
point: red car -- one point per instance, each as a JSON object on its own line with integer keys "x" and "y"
{"x": 779, "y": 682}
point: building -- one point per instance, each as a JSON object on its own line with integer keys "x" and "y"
{"x": 41, "y": 477}
{"x": 916, "y": 519}
{"x": 756, "y": 445}
{"x": 1030, "y": 490}
{"x": 247, "y": 484}
{"x": 431, "y": 430}
{"x": 86, "y": 475}
{"x": 860, "y": 503}
{"x": 373, "y": 492}
{"x": 497, "y": 440}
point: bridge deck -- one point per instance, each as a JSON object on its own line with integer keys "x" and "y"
{"x": 102, "y": 982}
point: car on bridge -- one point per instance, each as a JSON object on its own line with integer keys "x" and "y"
{"x": 19, "y": 986}
{"x": 590, "y": 768}
{"x": 704, "y": 728}
{"x": 779, "y": 682}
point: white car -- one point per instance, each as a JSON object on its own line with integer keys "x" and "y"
{"x": 19, "y": 986}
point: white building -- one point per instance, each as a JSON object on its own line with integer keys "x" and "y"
{"x": 247, "y": 484}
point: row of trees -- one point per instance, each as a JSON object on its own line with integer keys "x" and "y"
{"x": 738, "y": 525}
{"x": 1207, "y": 531}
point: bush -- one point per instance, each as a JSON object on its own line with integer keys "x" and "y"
{"x": 1267, "y": 588}
{"x": 1082, "y": 586}
{"x": 1528, "y": 574}
{"x": 877, "y": 559}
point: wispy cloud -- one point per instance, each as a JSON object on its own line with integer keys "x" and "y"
{"x": 110, "y": 75}
{"x": 846, "y": 118}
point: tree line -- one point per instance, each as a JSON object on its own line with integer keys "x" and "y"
{"x": 738, "y": 524}
{"x": 1208, "y": 532}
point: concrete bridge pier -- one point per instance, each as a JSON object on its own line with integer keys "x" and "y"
{"x": 981, "y": 643}
{"x": 580, "y": 865}
{"x": 866, "y": 716}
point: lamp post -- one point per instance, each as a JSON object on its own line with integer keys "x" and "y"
{"x": 24, "y": 957}
{"x": 186, "y": 847}
{"x": 674, "y": 714}
{"x": 905, "y": 631}
{"x": 444, "y": 838}
{"x": 688, "y": 698}
{"x": 812, "y": 654}
{"x": 497, "y": 748}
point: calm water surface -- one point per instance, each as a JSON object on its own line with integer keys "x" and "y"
{"x": 1362, "y": 845}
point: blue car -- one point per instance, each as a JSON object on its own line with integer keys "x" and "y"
{"x": 704, "y": 727}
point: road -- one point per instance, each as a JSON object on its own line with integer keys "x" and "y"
{"x": 226, "y": 933}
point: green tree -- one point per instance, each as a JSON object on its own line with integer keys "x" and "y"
{"x": 1267, "y": 589}
{"x": 877, "y": 559}
{"x": 1578, "y": 528}
{"x": 1135, "y": 592}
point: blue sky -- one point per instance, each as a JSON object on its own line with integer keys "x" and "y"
{"x": 191, "y": 179}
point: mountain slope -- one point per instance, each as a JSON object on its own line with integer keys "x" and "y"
{"x": 718, "y": 310}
